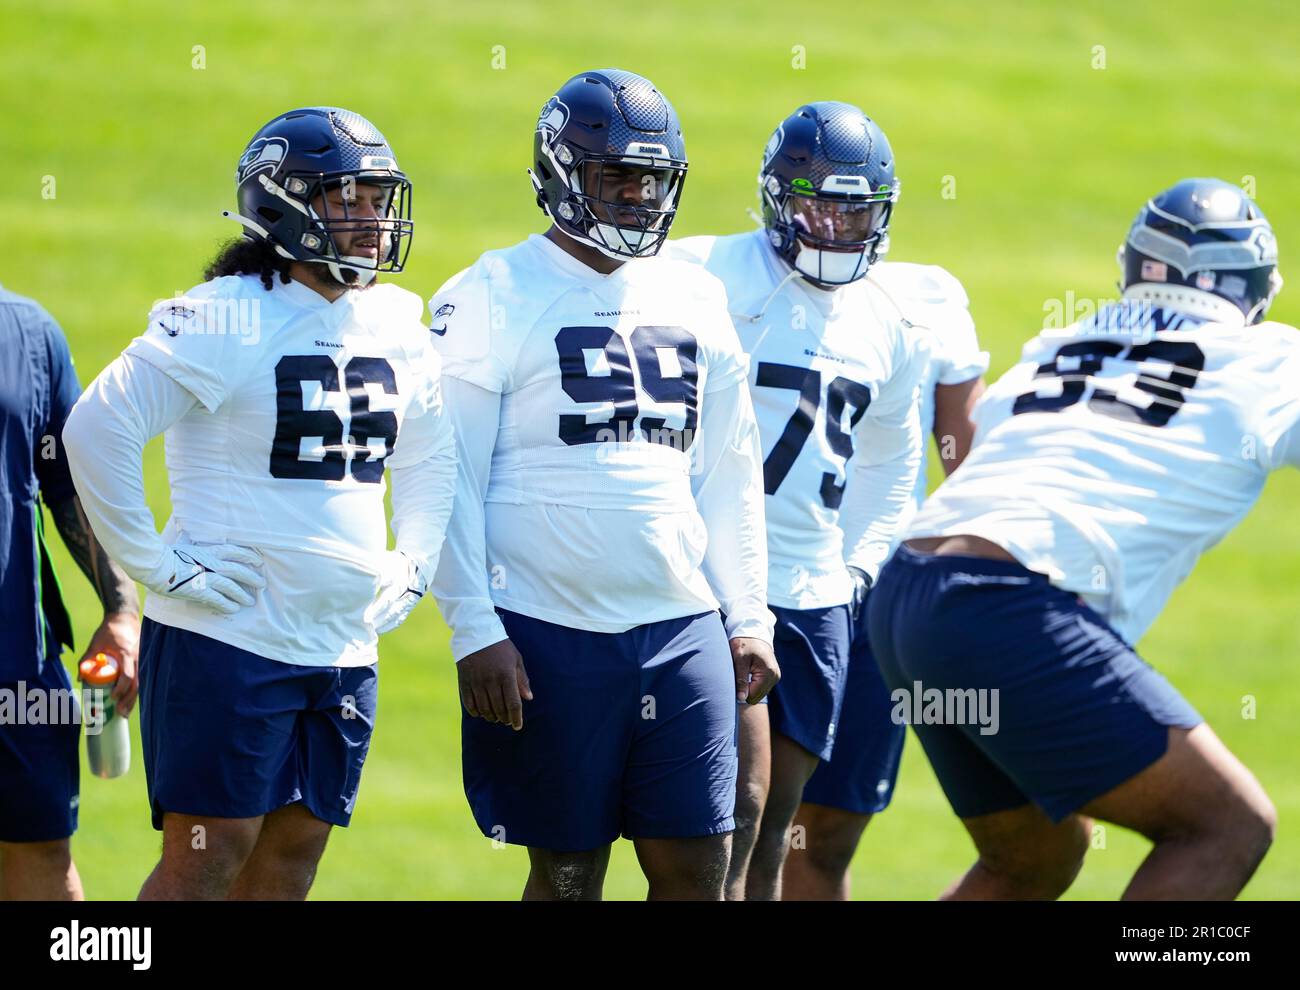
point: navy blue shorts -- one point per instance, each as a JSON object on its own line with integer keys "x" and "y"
{"x": 630, "y": 733}
{"x": 229, "y": 734}
{"x": 1017, "y": 690}
{"x": 812, "y": 650}
{"x": 860, "y": 775}
{"x": 40, "y": 771}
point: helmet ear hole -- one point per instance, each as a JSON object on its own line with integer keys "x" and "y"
{"x": 543, "y": 171}
{"x": 269, "y": 213}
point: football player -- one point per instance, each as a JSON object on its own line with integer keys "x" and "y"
{"x": 39, "y": 759}
{"x": 285, "y": 385}
{"x": 610, "y": 500}
{"x": 834, "y": 370}
{"x": 1105, "y": 462}
{"x": 858, "y": 780}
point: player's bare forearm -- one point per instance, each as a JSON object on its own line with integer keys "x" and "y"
{"x": 119, "y": 632}
{"x": 114, "y": 588}
{"x": 954, "y": 429}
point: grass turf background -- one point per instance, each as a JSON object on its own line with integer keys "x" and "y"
{"x": 1049, "y": 124}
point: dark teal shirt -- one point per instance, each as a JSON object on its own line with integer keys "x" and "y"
{"x": 38, "y": 387}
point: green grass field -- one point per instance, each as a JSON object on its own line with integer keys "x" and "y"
{"x": 1050, "y": 123}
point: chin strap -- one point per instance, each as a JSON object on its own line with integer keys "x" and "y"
{"x": 255, "y": 226}
{"x": 349, "y": 274}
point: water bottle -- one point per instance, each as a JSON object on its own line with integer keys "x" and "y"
{"x": 109, "y": 750}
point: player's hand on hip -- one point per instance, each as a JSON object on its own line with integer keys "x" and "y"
{"x": 119, "y": 636}
{"x": 492, "y": 684}
{"x": 222, "y": 576}
{"x": 403, "y": 587}
{"x": 756, "y": 668}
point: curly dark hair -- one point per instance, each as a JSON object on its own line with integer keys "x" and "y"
{"x": 244, "y": 257}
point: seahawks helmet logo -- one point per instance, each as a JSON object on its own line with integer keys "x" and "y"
{"x": 263, "y": 155}
{"x": 773, "y": 143}
{"x": 1264, "y": 244}
{"x": 552, "y": 118}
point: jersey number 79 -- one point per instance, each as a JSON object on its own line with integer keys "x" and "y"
{"x": 808, "y": 383}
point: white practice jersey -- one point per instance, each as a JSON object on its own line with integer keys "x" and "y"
{"x": 933, "y": 299}
{"x": 1121, "y": 448}
{"x": 603, "y": 425}
{"x": 834, "y": 378}
{"x": 300, "y": 404}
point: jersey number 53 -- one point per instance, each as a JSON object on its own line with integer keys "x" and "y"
{"x": 1075, "y": 364}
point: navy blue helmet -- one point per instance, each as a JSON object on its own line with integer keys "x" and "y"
{"x": 307, "y": 153}
{"x": 828, "y": 189}
{"x": 1201, "y": 236}
{"x": 609, "y": 162}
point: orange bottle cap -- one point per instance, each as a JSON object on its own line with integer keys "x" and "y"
{"x": 100, "y": 670}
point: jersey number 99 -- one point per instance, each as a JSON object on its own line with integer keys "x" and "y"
{"x": 618, "y": 387}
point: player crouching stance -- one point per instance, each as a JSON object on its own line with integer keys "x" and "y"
{"x": 1104, "y": 464}
{"x": 610, "y": 499}
{"x": 834, "y": 376}
{"x": 284, "y": 385}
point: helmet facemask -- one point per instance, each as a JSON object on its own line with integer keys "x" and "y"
{"x": 838, "y": 235}
{"x": 330, "y": 206}
{"x": 342, "y": 211}
{"x": 621, "y": 205}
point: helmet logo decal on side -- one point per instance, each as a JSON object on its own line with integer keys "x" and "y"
{"x": 263, "y": 155}
{"x": 552, "y": 118}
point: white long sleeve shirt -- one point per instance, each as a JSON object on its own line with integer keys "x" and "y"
{"x": 1122, "y": 447}
{"x": 834, "y": 377}
{"x": 932, "y": 299}
{"x": 611, "y": 472}
{"x": 280, "y": 413}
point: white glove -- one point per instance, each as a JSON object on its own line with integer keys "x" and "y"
{"x": 220, "y": 577}
{"x": 403, "y": 587}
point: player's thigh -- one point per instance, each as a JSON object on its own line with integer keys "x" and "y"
{"x": 680, "y": 777}
{"x": 812, "y": 648}
{"x": 333, "y": 741}
{"x": 859, "y": 777}
{"x": 1198, "y": 785}
{"x": 558, "y": 783}
{"x": 1031, "y": 677}
{"x": 1025, "y": 843}
{"x": 40, "y": 769}
{"x": 219, "y": 725}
